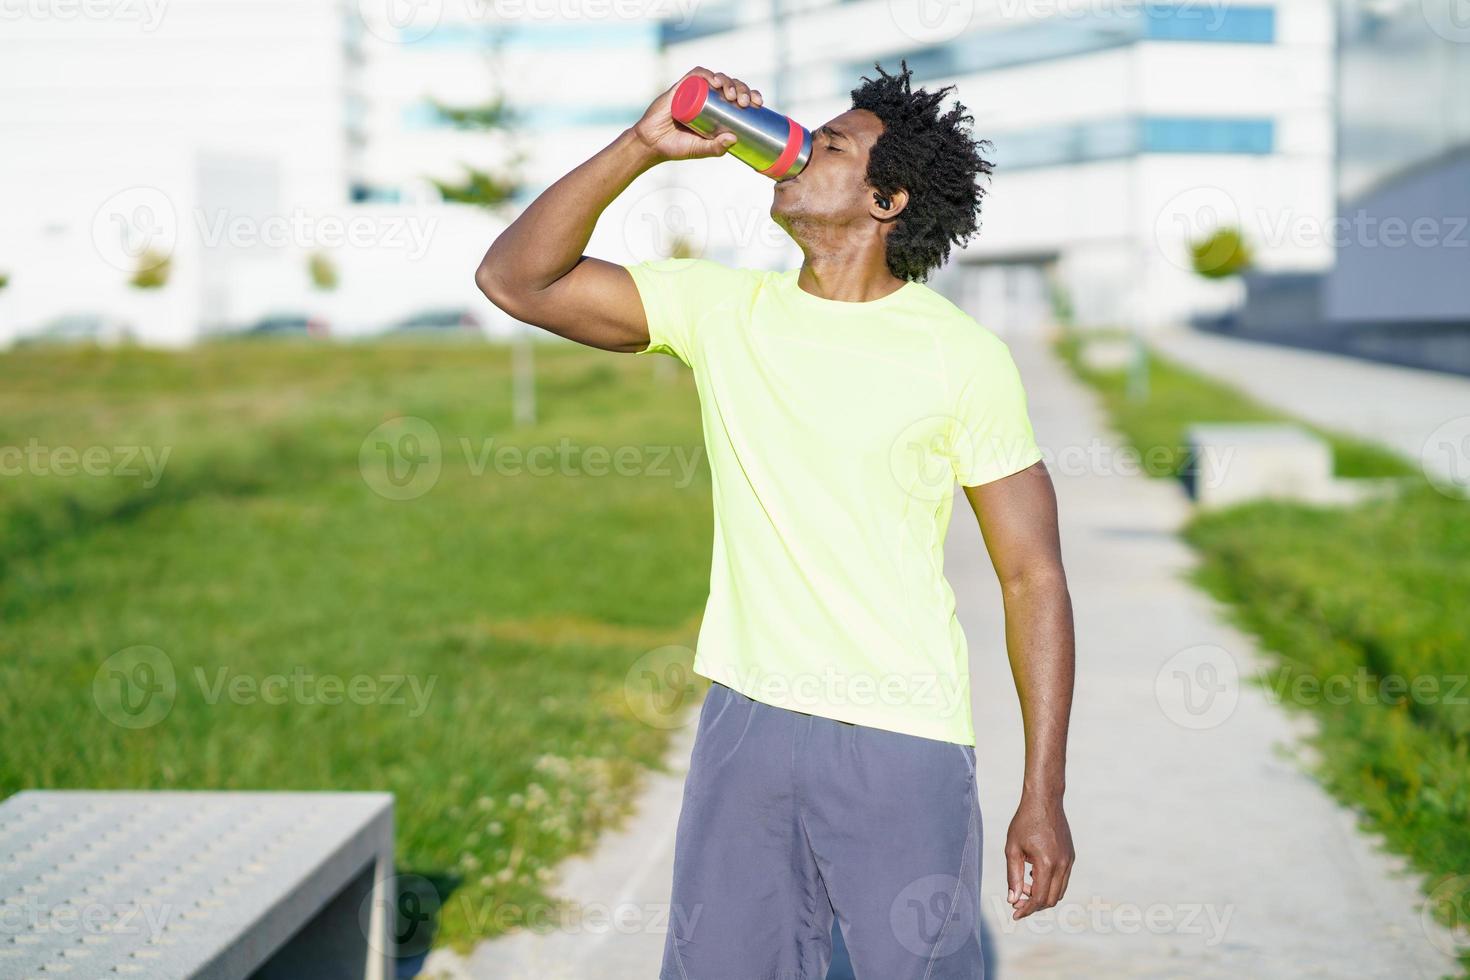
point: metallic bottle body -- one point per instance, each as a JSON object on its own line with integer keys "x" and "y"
{"x": 768, "y": 142}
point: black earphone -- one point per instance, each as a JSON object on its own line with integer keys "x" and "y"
{"x": 883, "y": 202}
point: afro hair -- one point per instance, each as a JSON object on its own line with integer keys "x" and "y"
{"x": 931, "y": 153}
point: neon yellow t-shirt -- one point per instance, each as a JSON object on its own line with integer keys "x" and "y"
{"x": 835, "y": 433}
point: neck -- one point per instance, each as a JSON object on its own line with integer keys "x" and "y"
{"x": 853, "y": 272}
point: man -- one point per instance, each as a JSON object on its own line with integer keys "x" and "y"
{"x": 833, "y": 768}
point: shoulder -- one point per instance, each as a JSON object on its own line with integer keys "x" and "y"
{"x": 704, "y": 270}
{"x": 957, "y": 334}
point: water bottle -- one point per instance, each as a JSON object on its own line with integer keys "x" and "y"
{"x": 768, "y": 142}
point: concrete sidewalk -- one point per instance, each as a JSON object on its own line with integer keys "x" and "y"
{"x": 1399, "y": 407}
{"x": 1202, "y": 852}
{"x": 1185, "y": 813}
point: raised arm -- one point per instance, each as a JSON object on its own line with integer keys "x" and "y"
{"x": 535, "y": 270}
{"x": 1018, "y": 516}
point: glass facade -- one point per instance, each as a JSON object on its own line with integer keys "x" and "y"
{"x": 1404, "y": 89}
{"x": 1106, "y": 139}
{"x": 1084, "y": 33}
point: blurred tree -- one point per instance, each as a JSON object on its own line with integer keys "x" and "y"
{"x": 1221, "y": 254}
{"x": 153, "y": 270}
{"x": 488, "y": 189}
{"x": 4, "y": 280}
{"x": 323, "y": 271}
{"x": 480, "y": 187}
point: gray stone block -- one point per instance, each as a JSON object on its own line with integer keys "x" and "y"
{"x": 1232, "y": 464}
{"x": 183, "y": 884}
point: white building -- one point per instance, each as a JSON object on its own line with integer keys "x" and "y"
{"x": 240, "y": 139}
{"x": 1121, "y": 132}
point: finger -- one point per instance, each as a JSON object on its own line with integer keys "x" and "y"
{"x": 1040, "y": 883}
{"x": 1063, "y": 880}
{"x": 717, "y": 146}
{"x": 723, "y": 85}
{"x": 742, "y": 92}
{"x": 1015, "y": 874}
{"x": 755, "y": 97}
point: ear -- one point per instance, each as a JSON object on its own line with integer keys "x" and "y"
{"x": 887, "y": 207}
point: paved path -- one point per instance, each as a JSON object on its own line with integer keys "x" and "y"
{"x": 1203, "y": 852}
{"x": 1397, "y": 406}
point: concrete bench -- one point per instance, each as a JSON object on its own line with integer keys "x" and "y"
{"x": 1231, "y": 464}
{"x": 181, "y": 884}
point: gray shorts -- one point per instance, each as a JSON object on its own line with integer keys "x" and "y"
{"x": 789, "y": 819}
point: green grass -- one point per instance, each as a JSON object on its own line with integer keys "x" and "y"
{"x": 524, "y": 600}
{"x": 1362, "y": 610}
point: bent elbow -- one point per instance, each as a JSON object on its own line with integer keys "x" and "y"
{"x": 489, "y": 283}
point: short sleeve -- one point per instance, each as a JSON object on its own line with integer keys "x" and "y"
{"x": 993, "y": 436}
{"x": 676, "y": 294}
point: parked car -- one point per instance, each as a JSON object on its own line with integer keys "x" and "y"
{"x": 287, "y": 325}
{"x": 445, "y": 321}
{"x": 80, "y": 328}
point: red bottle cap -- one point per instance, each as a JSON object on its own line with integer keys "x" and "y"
{"x": 689, "y": 98}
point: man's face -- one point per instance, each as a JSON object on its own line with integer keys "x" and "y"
{"x": 833, "y": 188}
